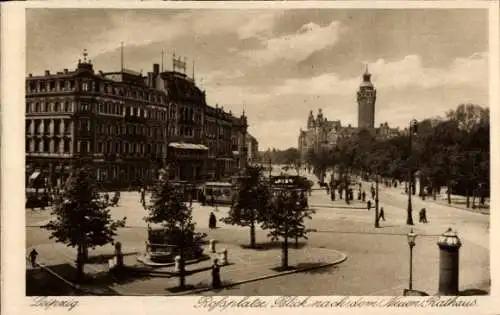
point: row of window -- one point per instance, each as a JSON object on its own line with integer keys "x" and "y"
{"x": 51, "y": 107}
{"x": 40, "y": 86}
{"x": 48, "y": 145}
{"x": 40, "y": 126}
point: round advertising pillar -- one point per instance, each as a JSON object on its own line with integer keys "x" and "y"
{"x": 449, "y": 246}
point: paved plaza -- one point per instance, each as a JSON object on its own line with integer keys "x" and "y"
{"x": 377, "y": 259}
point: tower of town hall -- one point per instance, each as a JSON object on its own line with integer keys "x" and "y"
{"x": 366, "y": 102}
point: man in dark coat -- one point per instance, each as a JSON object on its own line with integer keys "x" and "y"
{"x": 33, "y": 255}
{"x": 363, "y": 196}
{"x": 212, "y": 221}
{"x": 216, "y": 283}
{"x": 369, "y": 204}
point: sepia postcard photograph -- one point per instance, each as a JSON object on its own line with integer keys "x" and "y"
{"x": 253, "y": 157}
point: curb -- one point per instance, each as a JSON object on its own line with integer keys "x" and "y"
{"x": 336, "y": 207}
{"x": 336, "y": 262}
{"x": 170, "y": 264}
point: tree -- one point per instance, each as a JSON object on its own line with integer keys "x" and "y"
{"x": 285, "y": 218}
{"x": 250, "y": 203}
{"x": 82, "y": 217}
{"x": 364, "y": 141}
{"x": 344, "y": 154}
{"x": 168, "y": 208}
{"x": 473, "y": 121}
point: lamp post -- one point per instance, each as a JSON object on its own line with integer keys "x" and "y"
{"x": 411, "y": 243}
{"x": 412, "y": 129}
{"x": 376, "y": 202}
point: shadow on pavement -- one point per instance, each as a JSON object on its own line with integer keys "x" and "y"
{"x": 103, "y": 258}
{"x": 41, "y": 283}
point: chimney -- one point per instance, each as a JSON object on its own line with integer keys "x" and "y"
{"x": 156, "y": 68}
{"x": 65, "y": 70}
{"x": 30, "y": 75}
{"x": 47, "y": 72}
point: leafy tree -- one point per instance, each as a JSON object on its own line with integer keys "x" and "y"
{"x": 473, "y": 121}
{"x": 168, "y": 208}
{"x": 344, "y": 154}
{"x": 250, "y": 203}
{"x": 82, "y": 217}
{"x": 285, "y": 218}
{"x": 364, "y": 141}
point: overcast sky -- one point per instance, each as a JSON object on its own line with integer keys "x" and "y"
{"x": 280, "y": 64}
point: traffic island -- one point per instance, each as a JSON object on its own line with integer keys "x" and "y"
{"x": 243, "y": 266}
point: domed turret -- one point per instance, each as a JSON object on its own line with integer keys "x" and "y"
{"x": 366, "y": 79}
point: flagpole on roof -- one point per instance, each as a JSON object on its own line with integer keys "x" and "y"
{"x": 121, "y": 56}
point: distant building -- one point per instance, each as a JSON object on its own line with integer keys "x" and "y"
{"x": 324, "y": 134}
{"x": 127, "y": 126}
{"x": 252, "y": 148}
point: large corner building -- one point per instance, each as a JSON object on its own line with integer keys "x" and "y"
{"x": 128, "y": 126}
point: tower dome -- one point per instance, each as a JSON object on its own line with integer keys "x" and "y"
{"x": 366, "y": 79}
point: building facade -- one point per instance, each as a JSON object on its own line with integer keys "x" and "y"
{"x": 366, "y": 97}
{"x": 324, "y": 134}
{"x": 127, "y": 126}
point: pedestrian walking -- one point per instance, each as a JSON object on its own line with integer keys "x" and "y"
{"x": 359, "y": 195}
{"x": 212, "y": 221}
{"x": 216, "y": 283}
{"x": 143, "y": 196}
{"x": 373, "y": 192}
{"x": 33, "y": 255}
{"x": 424, "y": 216}
{"x": 369, "y": 205}
{"x": 332, "y": 195}
{"x": 363, "y": 196}
{"x": 381, "y": 214}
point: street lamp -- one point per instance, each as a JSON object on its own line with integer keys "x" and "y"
{"x": 411, "y": 243}
{"x": 412, "y": 129}
{"x": 376, "y": 203}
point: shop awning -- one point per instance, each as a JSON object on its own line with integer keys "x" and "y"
{"x": 34, "y": 175}
{"x": 189, "y": 146}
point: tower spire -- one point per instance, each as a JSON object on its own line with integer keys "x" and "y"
{"x": 162, "y": 53}
{"x": 366, "y": 68}
{"x": 121, "y": 56}
{"x": 85, "y": 54}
